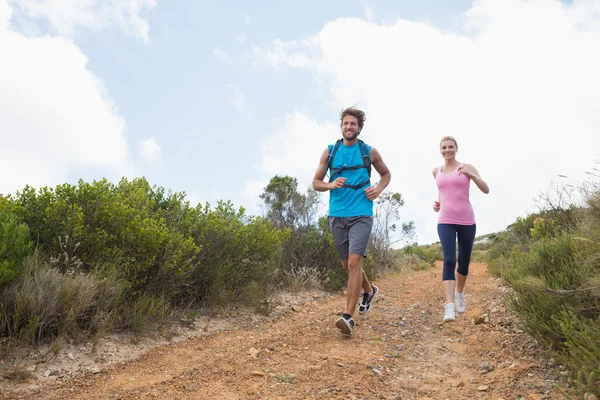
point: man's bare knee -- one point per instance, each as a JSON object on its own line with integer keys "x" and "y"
{"x": 354, "y": 261}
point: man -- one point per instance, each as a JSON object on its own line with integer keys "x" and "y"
{"x": 351, "y": 207}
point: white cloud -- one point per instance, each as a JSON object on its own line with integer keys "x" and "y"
{"x": 517, "y": 84}
{"x": 240, "y": 38}
{"x": 56, "y": 114}
{"x": 369, "y": 13}
{"x": 66, "y": 16}
{"x": 221, "y": 54}
{"x": 239, "y": 102}
{"x": 293, "y": 150}
{"x": 150, "y": 150}
{"x": 283, "y": 54}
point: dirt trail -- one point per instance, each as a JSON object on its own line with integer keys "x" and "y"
{"x": 399, "y": 351}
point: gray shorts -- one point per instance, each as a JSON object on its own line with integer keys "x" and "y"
{"x": 351, "y": 235}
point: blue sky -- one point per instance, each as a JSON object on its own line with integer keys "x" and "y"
{"x": 214, "y": 98}
{"x": 176, "y": 90}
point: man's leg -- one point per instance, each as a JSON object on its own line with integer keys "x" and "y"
{"x": 339, "y": 229}
{"x": 359, "y": 233}
{"x": 366, "y": 285}
{"x": 356, "y": 277}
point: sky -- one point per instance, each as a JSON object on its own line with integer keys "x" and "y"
{"x": 215, "y": 98}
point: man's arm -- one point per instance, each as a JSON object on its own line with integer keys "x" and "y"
{"x": 318, "y": 183}
{"x": 385, "y": 176}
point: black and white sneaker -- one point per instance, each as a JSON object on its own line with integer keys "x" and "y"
{"x": 367, "y": 301}
{"x": 345, "y": 324}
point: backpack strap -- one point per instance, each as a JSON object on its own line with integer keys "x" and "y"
{"x": 331, "y": 156}
{"x": 366, "y": 156}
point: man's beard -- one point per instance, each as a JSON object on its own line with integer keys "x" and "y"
{"x": 350, "y": 135}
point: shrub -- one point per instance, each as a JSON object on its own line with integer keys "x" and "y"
{"x": 145, "y": 314}
{"x": 582, "y": 350}
{"x": 125, "y": 223}
{"x": 429, "y": 254}
{"x": 236, "y": 250}
{"x": 412, "y": 262}
{"x": 15, "y": 245}
{"x": 44, "y": 303}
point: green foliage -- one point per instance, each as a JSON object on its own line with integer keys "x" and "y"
{"x": 130, "y": 223}
{"x": 236, "y": 251}
{"x": 498, "y": 266}
{"x": 145, "y": 314}
{"x": 15, "y": 245}
{"x": 582, "y": 350}
{"x": 387, "y": 230}
{"x": 309, "y": 246}
{"x": 552, "y": 261}
{"x": 44, "y": 302}
{"x": 126, "y": 255}
{"x": 285, "y": 206}
{"x": 428, "y": 254}
{"x": 155, "y": 249}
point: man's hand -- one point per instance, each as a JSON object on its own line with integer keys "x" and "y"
{"x": 436, "y": 206}
{"x": 338, "y": 183}
{"x": 372, "y": 193}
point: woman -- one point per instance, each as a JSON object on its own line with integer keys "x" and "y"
{"x": 456, "y": 219}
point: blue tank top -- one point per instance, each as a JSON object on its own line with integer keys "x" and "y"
{"x": 346, "y": 202}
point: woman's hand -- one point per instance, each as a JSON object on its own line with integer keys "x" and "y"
{"x": 468, "y": 170}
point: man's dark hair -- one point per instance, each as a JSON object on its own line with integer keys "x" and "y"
{"x": 355, "y": 112}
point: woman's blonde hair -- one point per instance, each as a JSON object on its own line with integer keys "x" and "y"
{"x": 449, "y": 138}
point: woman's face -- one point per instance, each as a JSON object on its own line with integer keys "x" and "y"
{"x": 448, "y": 149}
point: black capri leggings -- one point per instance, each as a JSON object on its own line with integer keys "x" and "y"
{"x": 448, "y": 234}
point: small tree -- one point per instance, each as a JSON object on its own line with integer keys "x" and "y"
{"x": 387, "y": 229}
{"x": 308, "y": 254}
{"x": 285, "y": 206}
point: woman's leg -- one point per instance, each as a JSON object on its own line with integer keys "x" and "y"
{"x": 447, "y": 234}
{"x": 466, "y": 237}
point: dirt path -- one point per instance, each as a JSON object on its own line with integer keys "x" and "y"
{"x": 399, "y": 351}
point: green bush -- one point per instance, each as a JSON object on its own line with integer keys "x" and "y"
{"x": 551, "y": 264}
{"x": 145, "y": 314}
{"x": 412, "y": 262}
{"x": 125, "y": 255}
{"x": 236, "y": 251}
{"x": 428, "y": 254}
{"x": 498, "y": 266}
{"x": 15, "y": 245}
{"x": 125, "y": 223}
{"x": 582, "y": 350}
{"x": 45, "y": 303}
{"x": 555, "y": 275}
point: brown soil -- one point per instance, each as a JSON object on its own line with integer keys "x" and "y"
{"x": 399, "y": 350}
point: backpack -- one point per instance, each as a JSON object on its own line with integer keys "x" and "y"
{"x": 366, "y": 158}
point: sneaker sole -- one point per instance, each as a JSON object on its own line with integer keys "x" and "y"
{"x": 464, "y": 310}
{"x": 343, "y": 327}
{"x": 449, "y": 320}
{"x": 372, "y": 300}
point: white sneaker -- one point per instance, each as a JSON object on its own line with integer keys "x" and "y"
{"x": 450, "y": 314}
{"x": 459, "y": 300}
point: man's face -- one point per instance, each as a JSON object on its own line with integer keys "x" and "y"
{"x": 350, "y": 128}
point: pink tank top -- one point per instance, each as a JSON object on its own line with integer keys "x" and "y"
{"x": 455, "y": 207}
